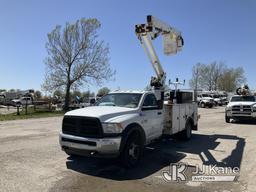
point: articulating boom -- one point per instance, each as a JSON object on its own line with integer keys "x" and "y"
{"x": 173, "y": 43}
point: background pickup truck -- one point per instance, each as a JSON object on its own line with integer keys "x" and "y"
{"x": 22, "y": 101}
{"x": 241, "y": 108}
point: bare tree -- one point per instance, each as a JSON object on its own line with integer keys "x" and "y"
{"x": 215, "y": 76}
{"x": 195, "y": 76}
{"x": 218, "y": 70}
{"x": 200, "y": 77}
{"x": 75, "y": 57}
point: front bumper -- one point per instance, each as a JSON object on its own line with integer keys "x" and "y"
{"x": 105, "y": 147}
{"x": 237, "y": 114}
{"x": 208, "y": 103}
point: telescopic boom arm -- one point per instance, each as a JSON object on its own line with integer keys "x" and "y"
{"x": 173, "y": 43}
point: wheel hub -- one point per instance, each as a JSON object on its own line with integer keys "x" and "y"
{"x": 133, "y": 151}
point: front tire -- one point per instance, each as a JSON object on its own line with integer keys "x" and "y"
{"x": 227, "y": 119}
{"x": 202, "y": 105}
{"x": 132, "y": 153}
{"x": 210, "y": 105}
{"x": 71, "y": 155}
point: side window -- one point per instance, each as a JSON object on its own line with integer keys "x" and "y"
{"x": 150, "y": 101}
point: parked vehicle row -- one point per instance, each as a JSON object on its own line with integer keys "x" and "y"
{"x": 210, "y": 99}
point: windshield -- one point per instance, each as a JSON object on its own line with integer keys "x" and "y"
{"x": 216, "y": 96}
{"x": 205, "y": 95}
{"x": 130, "y": 100}
{"x": 243, "y": 98}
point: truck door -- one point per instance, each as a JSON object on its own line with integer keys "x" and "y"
{"x": 152, "y": 117}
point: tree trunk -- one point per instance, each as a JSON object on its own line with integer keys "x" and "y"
{"x": 66, "y": 106}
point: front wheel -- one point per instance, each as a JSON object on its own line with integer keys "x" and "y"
{"x": 227, "y": 119}
{"x": 202, "y": 105}
{"x": 132, "y": 152}
{"x": 71, "y": 155}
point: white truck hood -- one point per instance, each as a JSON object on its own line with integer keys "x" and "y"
{"x": 207, "y": 98}
{"x": 230, "y": 104}
{"x": 16, "y": 100}
{"x": 102, "y": 112}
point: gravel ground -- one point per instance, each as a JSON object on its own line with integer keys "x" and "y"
{"x": 31, "y": 159}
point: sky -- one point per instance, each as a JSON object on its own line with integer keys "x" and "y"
{"x": 213, "y": 30}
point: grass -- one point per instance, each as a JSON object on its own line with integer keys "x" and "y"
{"x": 31, "y": 114}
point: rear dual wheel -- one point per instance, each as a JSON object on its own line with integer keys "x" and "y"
{"x": 187, "y": 132}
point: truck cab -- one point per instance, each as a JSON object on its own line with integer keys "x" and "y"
{"x": 121, "y": 123}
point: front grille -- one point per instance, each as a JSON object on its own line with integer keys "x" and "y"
{"x": 82, "y": 126}
{"x": 242, "y": 109}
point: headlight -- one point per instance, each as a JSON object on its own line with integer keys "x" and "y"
{"x": 228, "y": 108}
{"x": 112, "y": 127}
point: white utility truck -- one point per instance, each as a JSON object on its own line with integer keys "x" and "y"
{"x": 241, "y": 106}
{"x": 122, "y": 122}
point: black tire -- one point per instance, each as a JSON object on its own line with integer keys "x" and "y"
{"x": 132, "y": 152}
{"x": 18, "y": 104}
{"x": 227, "y": 119}
{"x": 187, "y": 132}
{"x": 71, "y": 155}
{"x": 237, "y": 120}
{"x": 202, "y": 104}
{"x": 210, "y": 105}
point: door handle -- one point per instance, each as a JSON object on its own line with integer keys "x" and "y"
{"x": 159, "y": 113}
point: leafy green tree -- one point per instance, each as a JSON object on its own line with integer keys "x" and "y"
{"x": 58, "y": 93}
{"x": 231, "y": 79}
{"x": 103, "y": 91}
{"x": 38, "y": 94}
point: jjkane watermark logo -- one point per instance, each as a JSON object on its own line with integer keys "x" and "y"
{"x": 179, "y": 172}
